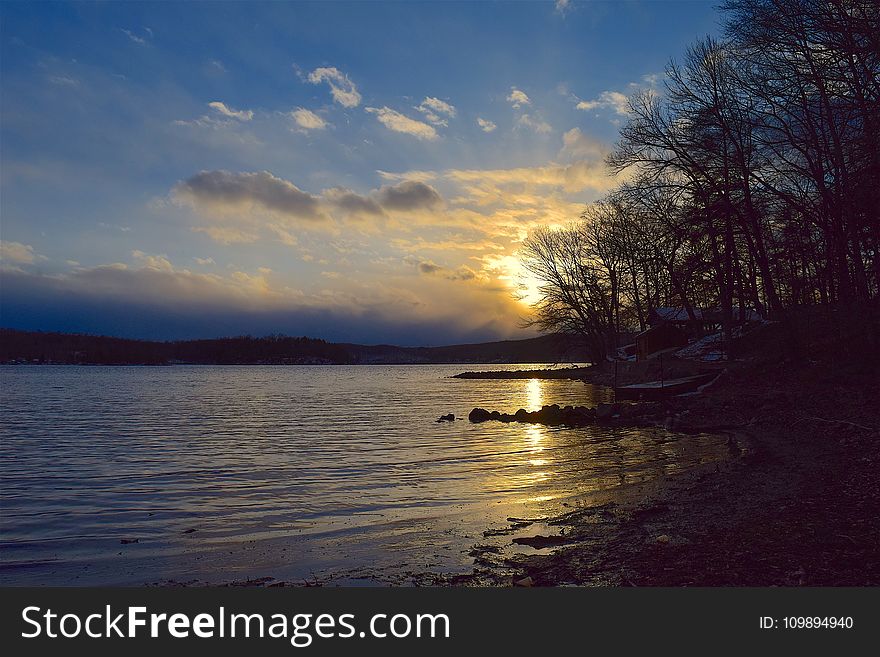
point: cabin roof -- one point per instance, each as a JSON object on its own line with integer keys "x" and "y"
{"x": 670, "y": 314}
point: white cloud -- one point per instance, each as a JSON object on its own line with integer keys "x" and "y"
{"x": 394, "y": 120}
{"x": 308, "y": 120}
{"x": 140, "y": 40}
{"x": 435, "y": 109}
{"x": 204, "y": 261}
{"x": 518, "y": 98}
{"x": 225, "y": 110}
{"x": 342, "y": 88}
{"x": 578, "y": 146}
{"x": 562, "y": 6}
{"x": 534, "y": 123}
{"x": 420, "y": 176}
{"x": 157, "y": 262}
{"x": 20, "y": 254}
{"x": 64, "y": 80}
{"x": 607, "y": 100}
{"x": 486, "y": 125}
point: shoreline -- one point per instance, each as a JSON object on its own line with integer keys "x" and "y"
{"x": 797, "y": 504}
{"x": 580, "y": 373}
{"x": 800, "y": 505}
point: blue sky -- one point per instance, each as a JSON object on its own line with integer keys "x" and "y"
{"x": 354, "y": 171}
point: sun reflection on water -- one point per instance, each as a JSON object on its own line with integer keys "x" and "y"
{"x": 535, "y": 437}
{"x": 535, "y": 394}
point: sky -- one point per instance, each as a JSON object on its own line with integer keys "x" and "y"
{"x": 359, "y": 172}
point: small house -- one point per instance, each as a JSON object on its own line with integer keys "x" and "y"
{"x": 674, "y": 327}
{"x": 664, "y": 335}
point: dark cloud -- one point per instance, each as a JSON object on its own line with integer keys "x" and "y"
{"x": 431, "y": 268}
{"x": 352, "y": 202}
{"x": 428, "y": 267}
{"x": 225, "y": 189}
{"x": 463, "y": 274}
{"x": 158, "y": 305}
{"x": 407, "y": 196}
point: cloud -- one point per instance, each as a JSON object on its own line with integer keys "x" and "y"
{"x": 408, "y": 195}
{"x": 424, "y": 266}
{"x": 352, "y": 202}
{"x": 236, "y": 205}
{"x": 232, "y": 192}
{"x": 141, "y": 302}
{"x": 518, "y": 98}
{"x": 578, "y": 146}
{"x": 140, "y": 40}
{"x": 431, "y": 268}
{"x": 486, "y": 125}
{"x": 563, "y": 6}
{"x": 64, "y": 81}
{"x": 225, "y": 110}
{"x": 397, "y": 122}
{"x": 228, "y": 234}
{"x": 157, "y": 262}
{"x": 342, "y": 88}
{"x": 155, "y": 281}
{"x": 534, "y": 123}
{"x": 421, "y": 176}
{"x": 308, "y": 120}
{"x": 607, "y": 100}
{"x": 433, "y": 108}
{"x": 204, "y": 261}
{"x": 17, "y": 253}
{"x": 571, "y": 178}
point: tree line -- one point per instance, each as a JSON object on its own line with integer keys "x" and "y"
{"x": 68, "y": 348}
{"x": 72, "y": 348}
{"x": 751, "y": 181}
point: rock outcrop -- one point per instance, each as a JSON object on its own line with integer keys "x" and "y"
{"x": 550, "y": 415}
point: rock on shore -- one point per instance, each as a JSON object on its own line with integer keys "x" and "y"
{"x": 552, "y": 415}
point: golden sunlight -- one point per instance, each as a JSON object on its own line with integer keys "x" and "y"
{"x": 523, "y": 285}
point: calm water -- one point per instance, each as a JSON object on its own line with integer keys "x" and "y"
{"x": 227, "y": 473}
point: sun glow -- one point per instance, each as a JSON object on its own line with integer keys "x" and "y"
{"x": 524, "y": 286}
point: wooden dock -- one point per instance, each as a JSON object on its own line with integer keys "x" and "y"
{"x": 651, "y": 390}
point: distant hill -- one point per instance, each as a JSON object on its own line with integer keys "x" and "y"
{"x": 65, "y": 348}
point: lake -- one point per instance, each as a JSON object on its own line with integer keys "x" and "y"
{"x": 204, "y": 474}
